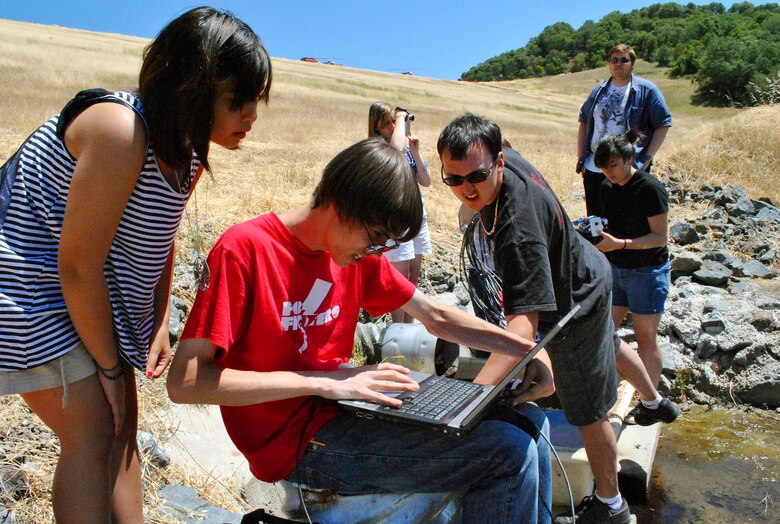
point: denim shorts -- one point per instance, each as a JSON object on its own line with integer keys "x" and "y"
{"x": 642, "y": 290}
{"x": 75, "y": 365}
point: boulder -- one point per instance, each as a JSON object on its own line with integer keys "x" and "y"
{"x": 686, "y": 262}
{"x": 765, "y": 392}
{"x": 182, "y": 504}
{"x": 683, "y": 233}
{"x": 755, "y": 269}
{"x": 712, "y": 273}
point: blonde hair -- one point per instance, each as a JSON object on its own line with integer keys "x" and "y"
{"x": 377, "y": 113}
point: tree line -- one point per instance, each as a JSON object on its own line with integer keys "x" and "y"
{"x": 733, "y": 54}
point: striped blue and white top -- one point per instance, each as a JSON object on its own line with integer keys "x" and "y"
{"x": 34, "y": 323}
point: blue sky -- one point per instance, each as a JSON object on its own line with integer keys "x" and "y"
{"x": 437, "y": 38}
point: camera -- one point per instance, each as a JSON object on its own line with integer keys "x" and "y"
{"x": 591, "y": 228}
{"x": 408, "y": 117}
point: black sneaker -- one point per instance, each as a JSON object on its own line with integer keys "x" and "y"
{"x": 666, "y": 412}
{"x": 592, "y": 511}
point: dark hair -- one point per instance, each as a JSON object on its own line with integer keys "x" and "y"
{"x": 201, "y": 52}
{"x": 466, "y": 130}
{"x": 621, "y": 49}
{"x": 617, "y": 146}
{"x": 372, "y": 183}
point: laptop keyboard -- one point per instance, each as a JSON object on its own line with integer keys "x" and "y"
{"x": 439, "y": 397}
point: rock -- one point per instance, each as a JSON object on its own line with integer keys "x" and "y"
{"x": 175, "y": 324}
{"x": 767, "y": 215}
{"x": 769, "y": 256}
{"x": 756, "y": 269}
{"x": 147, "y": 444}
{"x": 712, "y": 324}
{"x": 683, "y": 233}
{"x": 182, "y": 504}
{"x": 686, "y": 262}
{"x": 743, "y": 206}
{"x": 462, "y": 293}
{"x": 729, "y": 195}
{"x": 712, "y": 273}
{"x": 664, "y": 386}
{"x": 741, "y": 357}
{"x": 179, "y": 304}
{"x": 693, "y": 290}
{"x": 765, "y": 392}
{"x": 726, "y": 259}
{"x": 743, "y": 287}
{"x": 7, "y": 516}
{"x": 736, "y": 337}
{"x": 687, "y": 334}
{"x": 763, "y": 320}
{"x": 716, "y": 214}
{"x": 715, "y": 305}
{"x": 672, "y": 360}
{"x": 707, "y": 346}
{"x": 448, "y": 299}
{"x": 13, "y": 483}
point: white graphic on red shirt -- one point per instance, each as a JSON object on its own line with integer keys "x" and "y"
{"x": 300, "y": 315}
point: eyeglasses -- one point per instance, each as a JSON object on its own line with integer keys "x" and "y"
{"x": 619, "y": 60}
{"x": 375, "y": 248}
{"x": 475, "y": 177}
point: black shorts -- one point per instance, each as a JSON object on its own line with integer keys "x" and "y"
{"x": 583, "y": 360}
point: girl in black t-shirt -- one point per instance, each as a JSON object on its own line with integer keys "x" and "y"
{"x": 636, "y": 206}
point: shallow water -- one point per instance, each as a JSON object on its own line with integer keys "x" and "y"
{"x": 716, "y": 466}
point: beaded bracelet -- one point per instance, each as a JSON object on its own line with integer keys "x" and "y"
{"x": 111, "y": 373}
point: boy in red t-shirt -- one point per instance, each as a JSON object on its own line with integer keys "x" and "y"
{"x": 265, "y": 342}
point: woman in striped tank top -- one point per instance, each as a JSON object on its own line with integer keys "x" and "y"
{"x": 89, "y": 208}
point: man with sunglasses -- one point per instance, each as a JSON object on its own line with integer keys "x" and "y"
{"x": 545, "y": 268}
{"x": 266, "y": 341}
{"x": 622, "y": 102}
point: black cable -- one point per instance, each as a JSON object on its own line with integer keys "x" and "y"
{"x": 476, "y": 250}
{"x": 475, "y": 256}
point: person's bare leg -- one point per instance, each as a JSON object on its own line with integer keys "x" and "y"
{"x": 81, "y": 490}
{"x": 127, "y": 496}
{"x": 646, "y": 332}
{"x": 601, "y": 448}
{"x": 631, "y": 368}
{"x": 403, "y": 267}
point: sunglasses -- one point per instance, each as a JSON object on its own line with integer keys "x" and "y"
{"x": 619, "y": 60}
{"x": 475, "y": 177}
{"x": 375, "y": 248}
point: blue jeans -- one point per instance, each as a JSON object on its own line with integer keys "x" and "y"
{"x": 504, "y": 474}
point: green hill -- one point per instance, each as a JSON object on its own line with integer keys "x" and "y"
{"x": 732, "y": 54}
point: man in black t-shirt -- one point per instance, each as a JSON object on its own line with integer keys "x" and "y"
{"x": 546, "y": 268}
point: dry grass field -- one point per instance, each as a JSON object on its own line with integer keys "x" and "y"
{"x": 316, "y": 110}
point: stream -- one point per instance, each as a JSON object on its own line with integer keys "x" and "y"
{"x": 716, "y": 465}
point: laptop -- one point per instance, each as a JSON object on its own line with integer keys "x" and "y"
{"x": 446, "y": 404}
